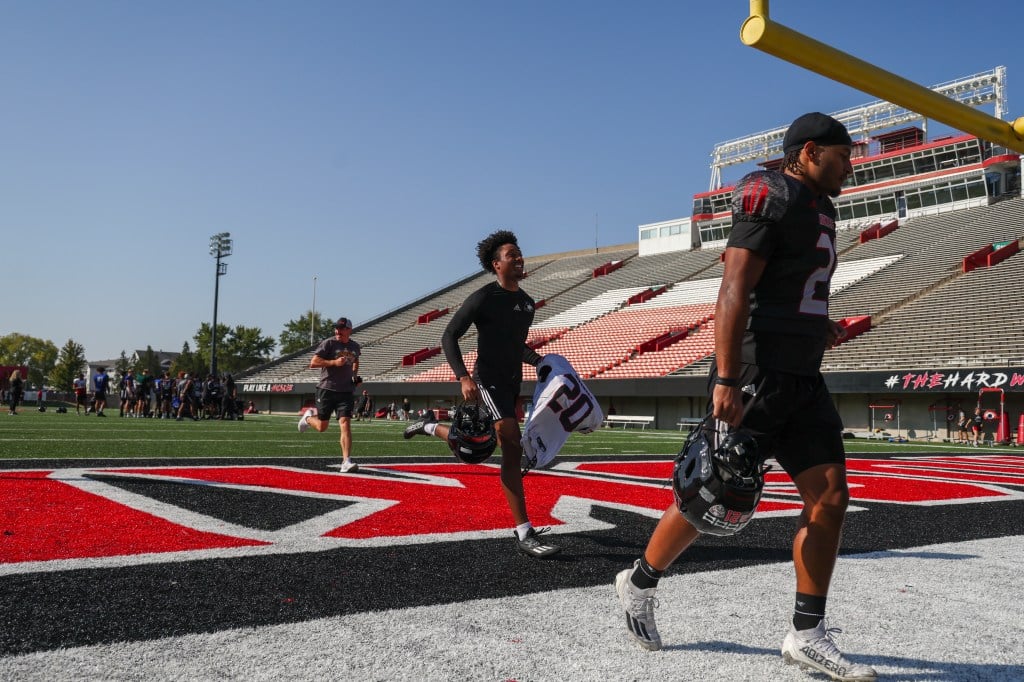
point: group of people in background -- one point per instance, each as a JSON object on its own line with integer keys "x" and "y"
{"x": 165, "y": 397}
{"x": 970, "y": 428}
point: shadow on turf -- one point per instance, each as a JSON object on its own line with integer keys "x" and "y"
{"x": 891, "y": 554}
{"x": 937, "y": 671}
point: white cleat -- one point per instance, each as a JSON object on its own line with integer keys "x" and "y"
{"x": 816, "y": 649}
{"x": 303, "y": 423}
{"x": 639, "y": 607}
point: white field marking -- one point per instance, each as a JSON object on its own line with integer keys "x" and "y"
{"x": 905, "y": 612}
{"x": 208, "y": 524}
{"x": 306, "y": 536}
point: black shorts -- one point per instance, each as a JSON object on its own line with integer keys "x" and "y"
{"x": 792, "y": 417}
{"x": 100, "y": 396}
{"x": 80, "y": 399}
{"x": 330, "y": 402}
{"x": 500, "y": 400}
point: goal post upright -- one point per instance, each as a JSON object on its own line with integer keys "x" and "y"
{"x": 760, "y": 32}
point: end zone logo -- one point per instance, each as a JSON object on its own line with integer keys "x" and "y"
{"x": 79, "y": 518}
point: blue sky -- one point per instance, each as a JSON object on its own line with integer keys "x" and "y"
{"x": 372, "y": 144}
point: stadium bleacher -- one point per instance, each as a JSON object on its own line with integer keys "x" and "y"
{"x": 640, "y": 328}
{"x": 910, "y": 279}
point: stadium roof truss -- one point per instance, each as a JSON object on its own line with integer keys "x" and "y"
{"x": 974, "y": 91}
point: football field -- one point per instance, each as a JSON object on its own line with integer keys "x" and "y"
{"x": 144, "y": 549}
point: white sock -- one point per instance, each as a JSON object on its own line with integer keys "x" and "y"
{"x": 429, "y": 429}
{"x": 522, "y": 529}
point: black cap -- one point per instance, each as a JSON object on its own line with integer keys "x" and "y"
{"x": 815, "y": 127}
{"x": 343, "y": 323}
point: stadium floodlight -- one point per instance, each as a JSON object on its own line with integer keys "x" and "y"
{"x": 312, "y": 315}
{"x": 220, "y": 247}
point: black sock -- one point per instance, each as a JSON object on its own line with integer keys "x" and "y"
{"x": 808, "y": 611}
{"x": 645, "y": 576}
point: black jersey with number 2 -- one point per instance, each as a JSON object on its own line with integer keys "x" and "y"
{"x": 502, "y": 320}
{"x": 782, "y": 220}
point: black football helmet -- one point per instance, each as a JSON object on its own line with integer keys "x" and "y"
{"x": 718, "y": 478}
{"x": 471, "y": 435}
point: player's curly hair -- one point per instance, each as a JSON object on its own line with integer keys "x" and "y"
{"x": 791, "y": 162}
{"x": 488, "y": 247}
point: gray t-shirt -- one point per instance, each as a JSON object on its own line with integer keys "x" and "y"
{"x": 337, "y": 378}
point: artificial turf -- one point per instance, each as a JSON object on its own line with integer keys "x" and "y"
{"x": 36, "y": 435}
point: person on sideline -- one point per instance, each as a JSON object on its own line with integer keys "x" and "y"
{"x": 80, "y": 387}
{"x": 771, "y": 331}
{"x": 17, "y": 389}
{"x": 100, "y": 386}
{"x": 338, "y": 361}
{"x": 502, "y": 313}
{"x": 978, "y": 426}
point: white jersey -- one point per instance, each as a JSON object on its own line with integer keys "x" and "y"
{"x": 561, "y": 404}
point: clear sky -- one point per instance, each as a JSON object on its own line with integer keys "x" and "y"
{"x": 372, "y": 144}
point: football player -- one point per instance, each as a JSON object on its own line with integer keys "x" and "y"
{"x": 337, "y": 359}
{"x": 502, "y": 313}
{"x": 771, "y": 331}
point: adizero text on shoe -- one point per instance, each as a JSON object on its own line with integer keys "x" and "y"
{"x": 816, "y": 649}
{"x": 419, "y": 427}
{"x": 639, "y": 607}
{"x": 532, "y": 546}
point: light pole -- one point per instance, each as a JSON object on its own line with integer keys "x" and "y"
{"x": 220, "y": 247}
{"x": 312, "y": 315}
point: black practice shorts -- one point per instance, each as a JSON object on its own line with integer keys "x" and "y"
{"x": 100, "y": 396}
{"x": 80, "y": 399}
{"x": 330, "y": 402}
{"x": 500, "y": 400}
{"x": 792, "y": 417}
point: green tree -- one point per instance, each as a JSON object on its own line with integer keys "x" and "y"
{"x": 122, "y": 367}
{"x": 39, "y": 355}
{"x": 237, "y": 348}
{"x": 186, "y": 361}
{"x": 151, "y": 362}
{"x": 243, "y": 348}
{"x": 70, "y": 362}
{"x": 203, "y": 341}
{"x": 295, "y": 336}
{"x": 183, "y": 361}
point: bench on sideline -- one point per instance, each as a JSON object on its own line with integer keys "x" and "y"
{"x": 688, "y": 421}
{"x": 626, "y": 420}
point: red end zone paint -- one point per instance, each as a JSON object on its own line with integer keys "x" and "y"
{"x": 42, "y": 519}
{"x": 46, "y": 519}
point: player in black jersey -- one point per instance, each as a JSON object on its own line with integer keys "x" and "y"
{"x": 771, "y": 331}
{"x": 502, "y": 314}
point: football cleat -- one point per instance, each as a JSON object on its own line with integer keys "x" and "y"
{"x": 639, "y": 607}
{"x": 349, "y": 467}
{"x": 303, "y": 424}
{"x": 816, "y": 649}
{"x": 531, "y": 546}
{"x": 416, "y": 428}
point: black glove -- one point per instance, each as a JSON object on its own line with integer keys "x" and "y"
{"x": 356, "y": 380}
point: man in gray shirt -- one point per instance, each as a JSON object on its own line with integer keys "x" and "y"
{"x": 338, "y": 361}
